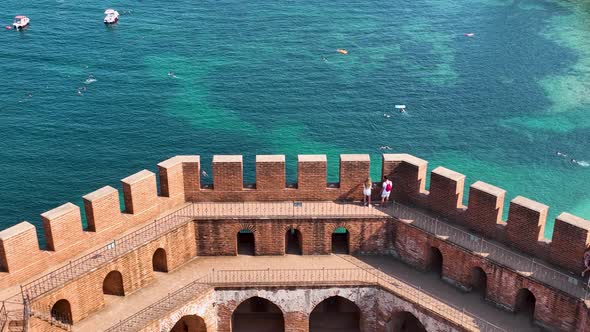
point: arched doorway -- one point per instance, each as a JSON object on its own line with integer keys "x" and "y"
{"x": 479, "y": 281}
{"x": 62, "y": 312}
{"x": 340, "y": 238}
{"x": 257, "y": 315}
{"x": 335, "y": 314}
{"x": 159, "y": 261}
{"x": 404, "y": 321}
{"x": 293, "y": 243}
{"x": 113, "y": 284}
{"x": 525, "y": 303}
{"x": 246, "y": 245}
{"x": 190, "y": 323}
{"x": 435, "y": 261}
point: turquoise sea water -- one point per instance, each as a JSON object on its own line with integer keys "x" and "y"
{"x": 263, "y": 77}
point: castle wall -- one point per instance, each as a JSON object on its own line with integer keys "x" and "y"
{"x": 376, "y": 306}
{"x": 413, "y": 246}
{"x": 217, "y": 237}
{"x": 85, "y": 294}
{"x": 21, "y": 258}
{"x": 201, "y": 306}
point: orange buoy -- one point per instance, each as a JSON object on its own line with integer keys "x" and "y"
{"x": 342, "y": 51}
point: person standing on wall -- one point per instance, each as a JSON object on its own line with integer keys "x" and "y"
{"x": 367, "y": 186}
{"x": 386, "y": 190}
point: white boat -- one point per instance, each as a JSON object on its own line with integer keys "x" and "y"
{"x": 20, "y": 22}
{"x": 111, "y": 16}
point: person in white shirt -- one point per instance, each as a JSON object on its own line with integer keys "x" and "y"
{"x": 367, "y": 186}
{"x": 386, "y": 190}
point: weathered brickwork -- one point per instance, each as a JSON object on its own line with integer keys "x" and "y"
{"x": 376, "y": 306}
{"x": 180, "y": 181}
{"x": 219, "y": 237}
{"x": 85, "y": 295}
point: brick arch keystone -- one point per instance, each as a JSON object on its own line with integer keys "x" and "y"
{"x": 250, "y": 227}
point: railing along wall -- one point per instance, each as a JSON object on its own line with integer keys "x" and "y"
{"x": 304, "y": 277}
{"x": 522, "y": 265}
{"x": 118, "y": 247}
{"x": 3, "y": 316}
{"x": 78, "y": 267}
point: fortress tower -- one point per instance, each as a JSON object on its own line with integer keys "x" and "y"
{"x": 297, "y": 257}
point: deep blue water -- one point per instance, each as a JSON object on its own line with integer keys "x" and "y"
{"x": 263, "y": 77}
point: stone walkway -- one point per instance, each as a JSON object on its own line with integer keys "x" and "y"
{"x": 119, "y": 308}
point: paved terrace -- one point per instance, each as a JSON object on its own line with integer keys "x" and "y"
{"x": 337, "y": 269}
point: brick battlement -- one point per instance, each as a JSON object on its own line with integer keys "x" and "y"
{"x": 180, "y": 182}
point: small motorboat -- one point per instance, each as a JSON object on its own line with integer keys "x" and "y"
{"x": 342, "y": 51}
{"x": 111, "y": 16}
{"x": 20, "y": 22}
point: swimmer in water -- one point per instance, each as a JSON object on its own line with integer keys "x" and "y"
{"x": 324, "y": 59}
{"x": 402, "y": 110}
{"x": 204, "y": 174}
{"x": 559, "y": 154}
{"x": 573, "y": 161}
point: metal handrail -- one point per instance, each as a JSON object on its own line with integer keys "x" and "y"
{"x": 3, "y": 316}
{"x": 350, "y": 276}
{"x": 107, "y": 253}
{"x": 118, "y": 247}
{"x": 492, "y": 252}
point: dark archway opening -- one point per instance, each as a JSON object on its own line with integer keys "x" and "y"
{"x": 404, "y": 321}
{"x": 190, "y": 323}
{"x": 113, "y": 284}
{"x": 246, "y": 242}
{"x": 435, "y": 261}
{"x": 257, "y": 315}
{"x": 159, "y": 261}
{"x": 340, "y": 238}
{"x": 335, "y": 314}
{"x": 62, "y": 312}
{"x": 479, "y": 281}
{"x": 525, "y": 303}
{"x": 293, "y": 242}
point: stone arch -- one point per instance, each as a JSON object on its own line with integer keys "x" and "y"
{"x": 61, "y": 311}
{"x": 257, "y": 313}
{"x": 190, "y": 323}
{"x": 435, "y": 261}
{"x": 245, "y": 242}
{"x": 160, "y": 261}
{"x": 113, "y": 284}
{"x": 479, "y": 280}
{"x": 335, "y": 313}
{"x": 525, "y": 302}
{"x": 404, "y": 321}
{"x": 293, "y": 241}
{"x": 340, "y": 240}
